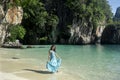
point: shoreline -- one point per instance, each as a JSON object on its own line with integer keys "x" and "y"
{"x": 23, "y": 69}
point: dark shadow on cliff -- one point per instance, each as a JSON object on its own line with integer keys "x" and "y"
{"x": 39, "y": 71}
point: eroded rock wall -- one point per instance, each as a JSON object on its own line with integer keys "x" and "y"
{"x": 13, "y": 16}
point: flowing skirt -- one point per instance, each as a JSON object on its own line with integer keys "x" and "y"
{"x": 53, "y": 65}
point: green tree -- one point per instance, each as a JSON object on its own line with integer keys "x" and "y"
{"x": 51, "y": 31}
{"x": 91, "y": 11}
{"x": 51, "y": 20}
{"x": 16, "y": 32}
{"x": 37, "y": 22}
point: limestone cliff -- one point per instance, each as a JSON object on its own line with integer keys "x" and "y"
{"x": 117, "y": 15}
{"x": 10, "y": 17}
{"x": 111, "y": 34}
{"x": 14, "y": 15}
{"x": 3, "y": 25}
{"x": 82, "y": 33}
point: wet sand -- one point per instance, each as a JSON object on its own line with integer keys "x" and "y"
{"x": 12, "y": 68}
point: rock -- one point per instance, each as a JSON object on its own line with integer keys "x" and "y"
{"x": 15, "y": 44}
{"x": 1, "y": 13}
{"x": 99, "y": 32}
{"x": 13, "y": 16}
{"x": 3, "y": 26}
{"x": 29, "y": 46}
{"x": 79, "y": 38}
{"x": 2, "y": 33}
{"x": 111, "y": 34}
{"x": 80, "y": 34}
{"x": 117, "y": 15}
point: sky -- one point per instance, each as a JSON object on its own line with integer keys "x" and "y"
{"x": 114, "y": 5}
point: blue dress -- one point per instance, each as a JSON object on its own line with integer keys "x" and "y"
{"x": 54, "y": 63}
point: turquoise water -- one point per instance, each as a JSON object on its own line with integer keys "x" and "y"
{"x": 84, "y": 62}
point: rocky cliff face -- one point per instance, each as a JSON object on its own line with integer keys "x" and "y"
{"x": 99, "y": 32}
{"x": 117, "y": 15}
{"x": 2, "y": 25}
{"x": 111, "y": 34}
{"x": 13, "y": 16}
{"x": 82, "y": 33}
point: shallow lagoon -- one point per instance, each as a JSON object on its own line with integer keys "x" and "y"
{"x": 82, "y": 62}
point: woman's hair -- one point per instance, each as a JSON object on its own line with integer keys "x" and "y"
{"x": 52, "y": 47}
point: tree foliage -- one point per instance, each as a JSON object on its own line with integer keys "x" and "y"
{"x": 51, "y": 20}
{"x": 16, "y": 32}
{"x": 37, "y": 21}
{"x": 92, "y": 11}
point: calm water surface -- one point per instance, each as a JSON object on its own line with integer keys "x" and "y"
{"x": 85, "y": 62}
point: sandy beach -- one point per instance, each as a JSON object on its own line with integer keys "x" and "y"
{"x": 12, "y": 68}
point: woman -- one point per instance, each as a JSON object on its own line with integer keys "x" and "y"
{"x": 54, "y": 60}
